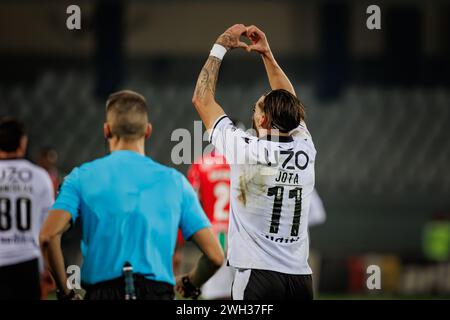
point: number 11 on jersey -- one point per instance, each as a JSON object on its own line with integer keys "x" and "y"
{"x": 277, "y": 192}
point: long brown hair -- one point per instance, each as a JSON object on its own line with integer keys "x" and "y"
{"x": 283, "y": 110}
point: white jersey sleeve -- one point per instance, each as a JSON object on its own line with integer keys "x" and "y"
{"x": 47, "y": 196}
{"x": 317, "y": 214}
{"x": 238, "y": 146}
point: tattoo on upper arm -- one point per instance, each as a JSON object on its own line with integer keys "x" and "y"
{"x": 207, "y": 80}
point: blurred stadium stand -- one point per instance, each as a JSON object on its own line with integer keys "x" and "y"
{"x": 383, "y": 153}
{"x": 370, "y": 141}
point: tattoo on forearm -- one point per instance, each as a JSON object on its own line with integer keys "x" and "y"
{"x": 226, "y": 40}
{"x": 207, "y": 80}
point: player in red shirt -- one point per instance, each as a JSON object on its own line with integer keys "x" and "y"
{"x": 210, "y": 177}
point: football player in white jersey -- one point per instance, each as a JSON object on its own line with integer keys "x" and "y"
{"x": 26, "y": 194}
{"x": 272, "y": 177}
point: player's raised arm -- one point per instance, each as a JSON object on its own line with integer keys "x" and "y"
{"x": 204, "y": 94}
{"x": 276, "y": 75}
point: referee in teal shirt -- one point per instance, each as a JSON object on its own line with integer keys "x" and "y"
{"x": 130, "y": 209}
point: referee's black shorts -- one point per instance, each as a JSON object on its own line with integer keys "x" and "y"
{"x": 20, "y": 281}
{"x": 254, "y": 284}
{"x": 115, "y": 289}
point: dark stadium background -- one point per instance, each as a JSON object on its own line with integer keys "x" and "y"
{"x": 378, "y": 104}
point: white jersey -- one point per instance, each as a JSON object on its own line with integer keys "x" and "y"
{"x": 272, "y": 179}
{"x": 26, "y": 194}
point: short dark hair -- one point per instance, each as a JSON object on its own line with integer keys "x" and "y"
{"x": 11, "y": 132}
{"x": 126, "y": 111}
{"x": 283, "y": 110}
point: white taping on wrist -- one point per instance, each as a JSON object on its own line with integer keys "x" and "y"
{"x": 218, "y": 51}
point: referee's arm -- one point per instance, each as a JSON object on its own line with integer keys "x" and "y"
{"x": 210, "y": 261}
{"x": 64, "y": 211}
{"x": 195, "y": 226}
{"x": 57, "y": 222}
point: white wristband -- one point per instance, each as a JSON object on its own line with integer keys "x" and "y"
{"x": 218, "y": 51}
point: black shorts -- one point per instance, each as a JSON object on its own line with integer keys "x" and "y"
{"x": 115, "y": 290}
{"x": 20, "y": 281}
{"x": 254, "y": 284}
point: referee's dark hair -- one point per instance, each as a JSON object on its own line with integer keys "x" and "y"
{"x": 283, "y": 110}
{"x": 12, "y": 131}
{"x": 126, "y": 113}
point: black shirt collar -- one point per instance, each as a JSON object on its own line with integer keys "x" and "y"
{"x": 277, "y": 138}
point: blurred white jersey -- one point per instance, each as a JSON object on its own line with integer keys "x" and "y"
{"x": 272, "y": 179}
{"x": 26, "y": 194}
{"x": 317, "y": 214}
